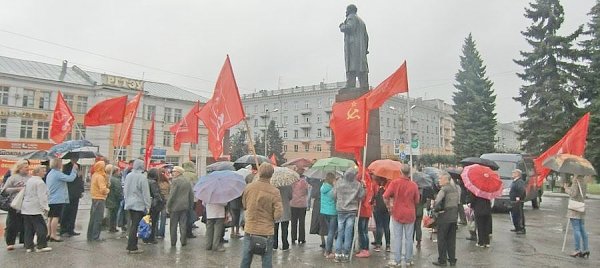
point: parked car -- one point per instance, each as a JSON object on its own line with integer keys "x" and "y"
{"x": 509, "y": 162}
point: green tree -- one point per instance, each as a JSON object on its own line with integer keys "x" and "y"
{"x": 590, "y": 83}
{"x": 239, "y": 146}
{"x": 474, "y": 104}
{"x": 259, "y": 144}
{"x": 550, "y": 72}
{"x": 275, "y": 143}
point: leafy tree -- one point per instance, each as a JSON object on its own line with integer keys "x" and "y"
{"x": 474, "y": 104}
{"x": 239, "y": 146}
{"x": 590, "y": 83}
{"x": 275, "y": 143}
{"x": 550, "y": 71}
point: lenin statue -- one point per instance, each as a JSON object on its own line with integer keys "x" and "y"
{"x": 356, "y": 44}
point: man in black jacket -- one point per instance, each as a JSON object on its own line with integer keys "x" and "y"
{"x": 517, "y": 195}
{"x": 75, "y": 188}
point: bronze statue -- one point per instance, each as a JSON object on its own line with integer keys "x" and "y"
{"x": 356, "y": 44}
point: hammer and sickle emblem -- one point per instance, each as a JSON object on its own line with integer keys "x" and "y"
{"x": 352, "y": 112}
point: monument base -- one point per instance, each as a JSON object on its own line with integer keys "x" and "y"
{"x": 373, "y": 138}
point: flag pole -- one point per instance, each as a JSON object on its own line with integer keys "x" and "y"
{"x": 79, "y": 130}
{"x": 363, "y": 173}
{"x": 197, "y": 163}
{"x": 251, "y": 146}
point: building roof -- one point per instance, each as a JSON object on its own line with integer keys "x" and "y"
{"x": 44, "y": 71}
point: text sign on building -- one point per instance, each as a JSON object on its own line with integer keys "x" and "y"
{"x": 122, "y": 82}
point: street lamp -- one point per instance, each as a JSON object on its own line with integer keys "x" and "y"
{"x": 410, "y": 139}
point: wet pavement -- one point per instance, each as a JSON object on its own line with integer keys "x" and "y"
{"x": 540, "y": 247}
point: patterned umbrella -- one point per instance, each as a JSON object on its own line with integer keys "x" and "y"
{"x": 219, "y": 187}
{"x": 38, "y": 155}
{"x": 298, "y": 162}
{"x": 568, "y": 163}
{"x": 482, "y": 181}
{"x": 69, "y": 146}
{"x": 284, "y": 177}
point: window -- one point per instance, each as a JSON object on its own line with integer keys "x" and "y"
{"x": 81, "y": 105}
{"x": 173, "y": 160}
{"x": 319, "y": 118}
{"x": 121, "y": 153}
{"x": 295, "y": 119}
{"x": 295, "y": 134}
{"x": 168, "y": 115}
{"x": 285, "y": 106}
{"x": 285, "y": 135}
{"x": 145, "y": 133}
{"x": 265, "y": 107}
{"x": 167, "y": 138}
{"x": 306, "y": 133}
{"x": 285, "y": 148}
{"x": 296, "y": 105}
{"x": 4, "y": 95}
{"x": 69, "y": 100}
{"x": 44, "y": 100}
{"x": 319, "y": 133}
{"x": 28, "y": 98}
{"x": 275, "y": 105}
{"x": 42, "y": 130}
{"x": 388, "y": 122}
{"x": 79, "y": 136}
{"x": 306, "y": 104}
{"x": 285, "y": 120}
{"x": 295, "y": 147}
{"x": 330, "y": 101}
{"x": 150, "y": 110}
{"x": 256, "y": 108}
{"x": 318, "y": 148}
{"x": 26, "y": 129}
{"x": 320, "y": 103}
{"x": 255, "y": 122}
{"x": 306, "y": 147}
{"x": 3, "y": 125}
{"x": 307, "y": 119}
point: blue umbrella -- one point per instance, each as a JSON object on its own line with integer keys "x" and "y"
{"x": 69, "y": 146}
{"x": 219, "y": 187}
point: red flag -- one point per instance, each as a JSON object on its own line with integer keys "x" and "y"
{"x": 223, "y": 110}
{"x": 149, "y": 144}
{"x": 186, "y": 130}
{"x": 106, "y": 112}
{"x": 349, "y": 120}
{"x": 122, "y": 132}
{"x": 571, "y": 143}
{"x": 273, "y": 159}
{"x": 394, "y": 84}
{"x": 62, "y": 120}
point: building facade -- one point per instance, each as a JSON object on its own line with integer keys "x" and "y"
{"x": 28, "y": 93}
{"x": 507, "y": 137}
{"x": 302, "y": 116}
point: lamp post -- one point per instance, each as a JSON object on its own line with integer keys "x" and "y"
{"x": 410, "y": 139}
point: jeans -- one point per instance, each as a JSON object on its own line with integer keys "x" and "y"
{"x": 447, "y": 242}
{"x": 35, "y": 225}
{"x": 284, "y": 235}
{"x": 14, "y": 227}
{"x": 122, "y": 215}
{"x": 267, "y": 258}
{"x": 298, "y": 225}
{"x": 162, "y": 224}
{"x": 332, "y": 224}
{"x": 179, "y": 218}
{"x": 382, "y": 227}
{"x": 68, "y": 217}
{"x": 580, "y": 234}
{"x": 135, "y": 218}
{"x": 343, "y": 245}
{"x": 402, "y": 231}
{"x": 363, "y": 233}
{"x": 96, "y": 216}
{"x": 214, "y": 231}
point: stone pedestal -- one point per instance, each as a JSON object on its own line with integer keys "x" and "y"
{"x": 373, "y": 139}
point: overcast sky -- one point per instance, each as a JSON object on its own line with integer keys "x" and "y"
{"x": 276, "y": 43}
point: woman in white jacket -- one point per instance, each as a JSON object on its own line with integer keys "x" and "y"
{"x": 35, "y": 206}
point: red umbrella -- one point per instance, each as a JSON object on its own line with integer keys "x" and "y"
{"x": 386, "y": 168}
{"x": 482, "y": 181}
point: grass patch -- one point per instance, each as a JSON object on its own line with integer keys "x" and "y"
{"x": 593, "y": 188}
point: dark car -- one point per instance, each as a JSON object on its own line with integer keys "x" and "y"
{"x": 509, "y": 162}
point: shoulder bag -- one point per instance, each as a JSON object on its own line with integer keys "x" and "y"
{"x": 576, "y": 205}
{"x": 17, "y": 202}
{"x": 5, "y": 200}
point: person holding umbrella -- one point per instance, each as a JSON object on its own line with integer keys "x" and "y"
{"x": 58, "y": 195}
{"x": 577, "y": 192}
{"x": 75, "y": 189}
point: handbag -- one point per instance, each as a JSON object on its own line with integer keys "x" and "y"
{"x": 429, "y": 220}
{"x": 576, "y": 205}
{"x": 5, "y": 200}
{"x": 145, "y": 227}
{"x": 258, "y": 244}
{"x": 17, "y": 202}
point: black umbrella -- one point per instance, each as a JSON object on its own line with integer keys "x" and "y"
{"x": 80, "y": 154}
{"x": 455, "y": 174}
{"x": 422, "y": 180}
{"x": 224, "y": 165}
{"x": 434, "y": 173}
{"x": 38, "y": 155}
{"x": 480, "y": 161}
{"x": 249, "y": 159}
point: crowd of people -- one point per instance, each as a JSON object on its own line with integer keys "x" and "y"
{"x": 386, "y": 206}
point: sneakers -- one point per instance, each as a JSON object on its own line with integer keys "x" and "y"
{"x": 393, "y": 263}
{"x": 341, "y": 258}
{"x": 410, "y": 263}
{"x": 31, "y": 250}
{"x": 388, "y": 249}
{"x": 363, "y": 254}
{"x": 46, "y": 249}
{"x": 329, "y": 256}
{"x": 377, "y": 248}
{"x": 10, "y": 247}
{"x": 137, "y": 251}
